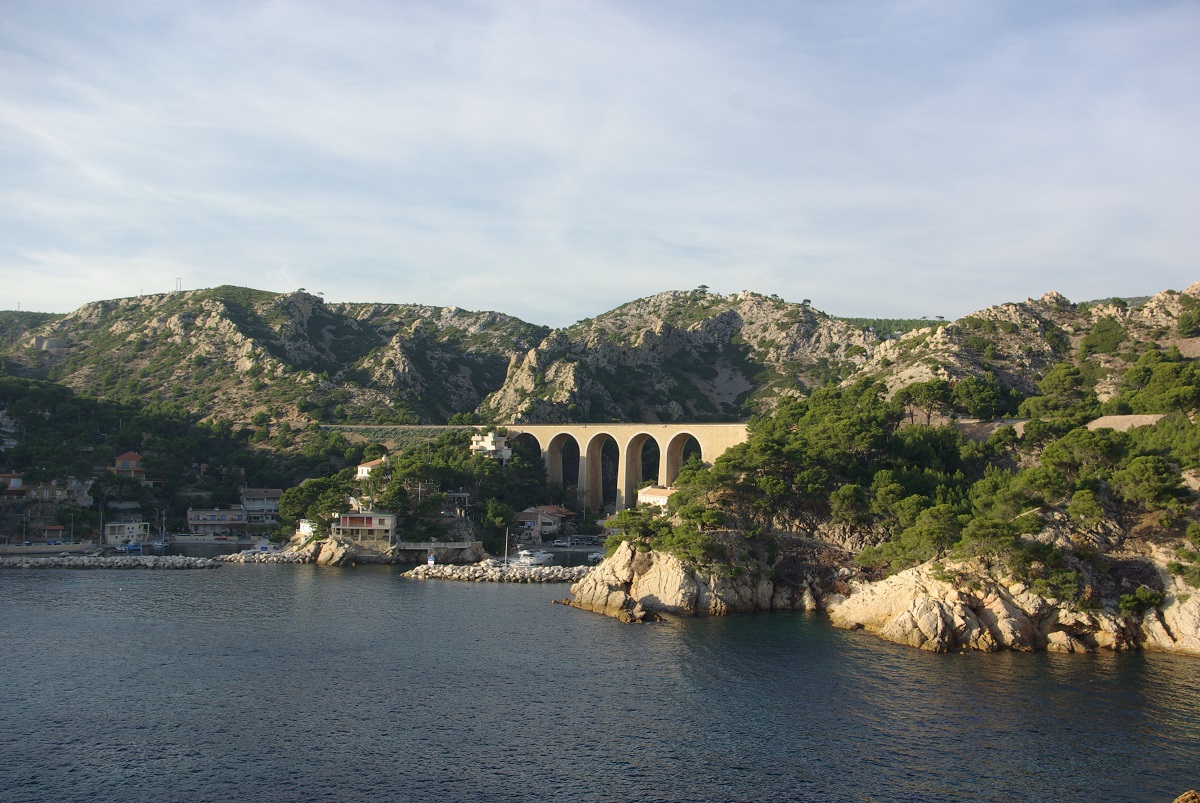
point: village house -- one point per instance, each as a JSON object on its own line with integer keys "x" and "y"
{"x": 491, "y": 444}
{"x": 216, "y": 521}
{"x": 365, "y": 469}
{"x": 654, "y": 495}
{"x": 14, "y": 486}
{"x": 128, "y": 465}
{"x": 261, "y": 505}
{"x": 69, "y": 490}
{"x": 543, "y": 520}
{"x": 118, "y": 532}
{"x": 365, "y": 525}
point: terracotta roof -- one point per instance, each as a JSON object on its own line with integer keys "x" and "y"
{"x": 129, "y": 456}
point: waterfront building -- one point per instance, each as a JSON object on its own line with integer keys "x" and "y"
{"x": 216, "y": 521}
{"x": 369, "y": 525}
{"x": 118, "y": 532}
{"x": 261, "y": 505}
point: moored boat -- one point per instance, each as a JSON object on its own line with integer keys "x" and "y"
{"x": 533, "y": 557}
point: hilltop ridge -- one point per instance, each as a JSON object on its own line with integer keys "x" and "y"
{"x": 233, "y": 352}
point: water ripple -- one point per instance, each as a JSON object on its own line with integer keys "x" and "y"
{"x": 302, "y": 683}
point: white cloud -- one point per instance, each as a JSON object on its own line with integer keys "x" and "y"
{"x": 552, "y": 160}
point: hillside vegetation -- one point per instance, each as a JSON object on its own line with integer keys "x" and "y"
{"x": 232, "y": 352}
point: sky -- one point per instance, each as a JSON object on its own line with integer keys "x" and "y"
{"x": 554, "y": 159}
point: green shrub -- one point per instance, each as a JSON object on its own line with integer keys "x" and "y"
{"x": 1140, "y": 601}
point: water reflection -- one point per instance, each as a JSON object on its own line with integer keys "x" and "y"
{"x": 300, "y": 682}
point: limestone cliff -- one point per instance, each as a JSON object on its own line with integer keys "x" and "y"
{"x": 936, "y": 607}
{"x": 920, "y": 608}
{"x": 679, "y": 355}
{"x": 631, "y": 584}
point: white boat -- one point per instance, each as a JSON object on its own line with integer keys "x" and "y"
{"x": 533, "y": 557}
{"x": 595, "y": 557}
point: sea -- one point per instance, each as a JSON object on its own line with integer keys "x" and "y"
{"x": 306, "y": 683}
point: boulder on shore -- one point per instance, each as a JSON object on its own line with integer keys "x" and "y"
{"x": 653, "y": 583}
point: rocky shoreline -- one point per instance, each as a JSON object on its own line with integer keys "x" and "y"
{"x": 919, "y": 607}
{"x": 118, "y": 562}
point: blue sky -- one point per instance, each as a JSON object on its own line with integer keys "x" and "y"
{"x": 552, "y": 160}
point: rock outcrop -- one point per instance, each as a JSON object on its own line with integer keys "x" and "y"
{"x": 930, "y": 607}
{"x": 918, "y": 608}
{"x": 631, "y": 585}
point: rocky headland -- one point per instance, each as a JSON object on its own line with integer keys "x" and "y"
{"x": 635, "y": 586}
{"x": 934, "y": 606}
{"x": 963, "y": 607}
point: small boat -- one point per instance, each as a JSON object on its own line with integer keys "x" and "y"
{"x": 130, "y": 548}
{"x": 533, "y": 557}
{"x": 595, "y": 557}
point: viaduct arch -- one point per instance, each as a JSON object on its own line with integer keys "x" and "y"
{"x": 714, "y": 439}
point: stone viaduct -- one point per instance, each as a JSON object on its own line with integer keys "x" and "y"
{"x": 714, "y": 439}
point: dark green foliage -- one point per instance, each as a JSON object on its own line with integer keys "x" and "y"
{"x": 1188, "y": 323}
{"x": 1048, "y": 570}
{"x": 982, "y": 398}
{"x": 648, "y": 529}
{"x": 1141, "y": 600}
{"x": 1085, "y": 509}
{"x": 1147, "y": 481}
{"x": 1066, "y": 397}
{"x": 1105, "y": 338}
{"x": 1159, "y": 383}
{"x": 987, "y": 538}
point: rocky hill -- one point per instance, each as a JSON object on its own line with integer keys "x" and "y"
{"x": 1018, "y": 342}
{"x": 680, "y": 356}
{"x": 233, "y": 352}
{"x": 700, "y": 356}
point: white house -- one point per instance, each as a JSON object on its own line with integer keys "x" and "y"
{"x": 654, "y": 495}
{"x": 492, "y": 445}
{"x": 118, "y": 532}
{"x": 365, "y": 469}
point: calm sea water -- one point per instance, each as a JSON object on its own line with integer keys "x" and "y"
{"x": 302, "y": 683}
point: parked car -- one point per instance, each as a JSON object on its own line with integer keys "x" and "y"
{"x": 561, "y": 542}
